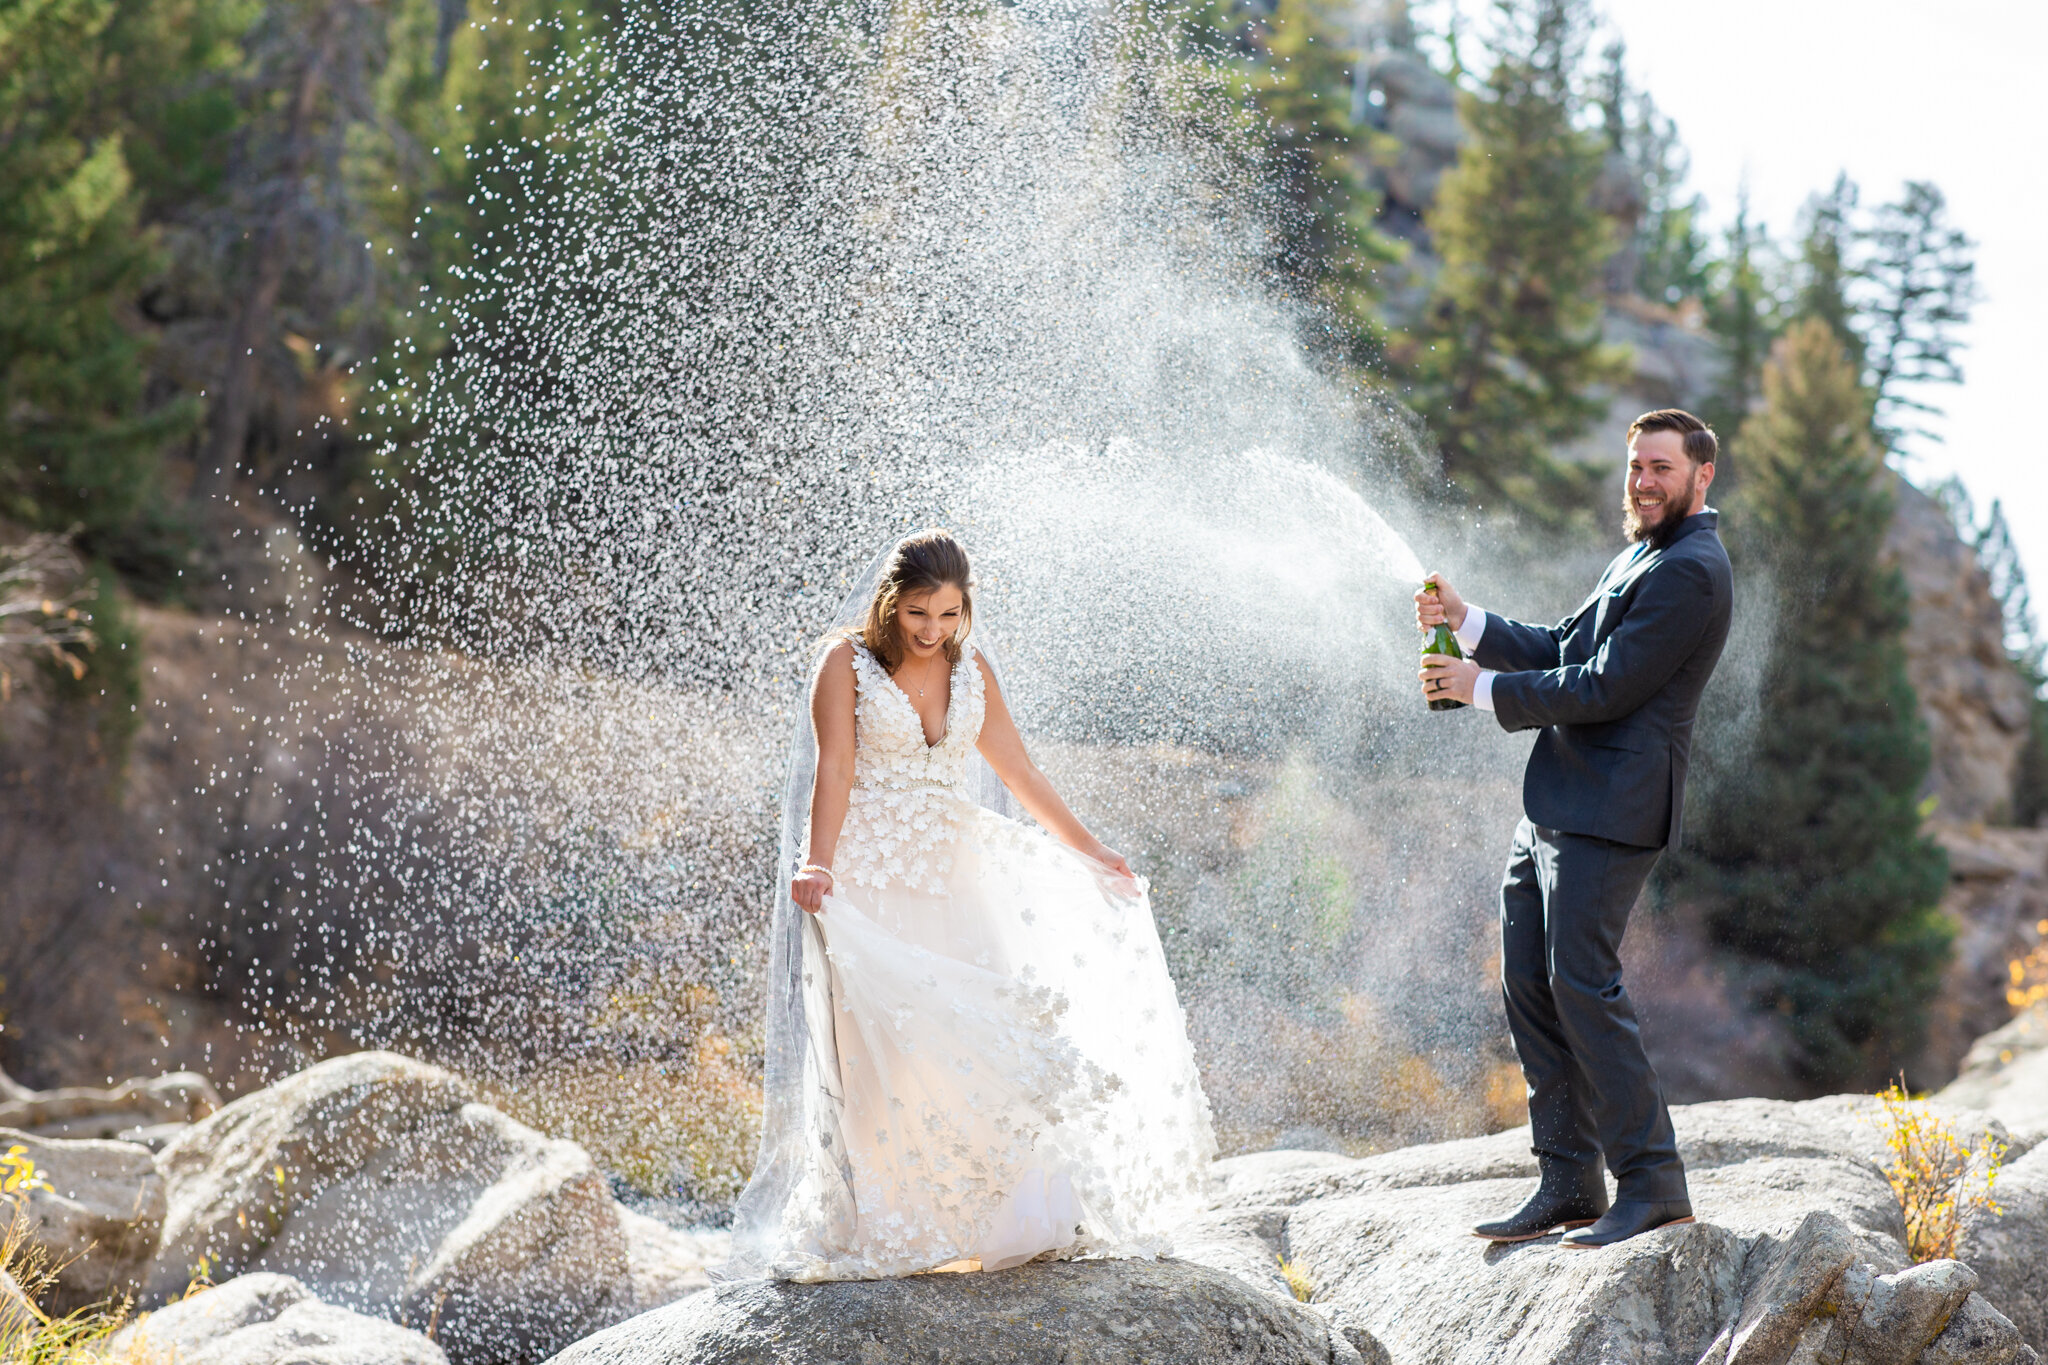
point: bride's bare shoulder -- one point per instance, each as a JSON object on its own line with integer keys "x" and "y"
{"x": 988, "y": 675}
{"x": 835, "y": 660}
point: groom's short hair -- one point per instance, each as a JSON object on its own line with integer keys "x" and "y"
{"x": 1700, "y": 445}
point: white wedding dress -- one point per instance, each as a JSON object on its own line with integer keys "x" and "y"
{"x": 989, "y": 1064}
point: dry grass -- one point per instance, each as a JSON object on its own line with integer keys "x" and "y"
{"x": 1937, "y": 1178}
{"x": 29, "y": 1336}
{"x": 688, "y": 1126}
{"x": 1359, "y": 1081}
{"x": 1506, "y": 1098}
{"x": 1297, "y": 1279}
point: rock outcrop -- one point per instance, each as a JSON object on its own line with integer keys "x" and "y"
{"x": 353, "y": 1207}
{"x": 1997, "y": 898}
{"x": 2006, "y": 1074}
{"x": 1974, "y": 701}
{"x": 665, "y": 1263}
{"x": 1800, "y": 1248}
{"x": 1674, "y": 362}
{"x": 269, "y": 1320}
{"x": 97, "y": 1218}
{"x": 1419, "y": 112}
{"x": 385, "y": 1188}
{"x": 144, "y": 1103}
{"x": 2010, "y": 1251}
{"x": 1077, "y": 1313}
{"x": 1799, "y": 1257}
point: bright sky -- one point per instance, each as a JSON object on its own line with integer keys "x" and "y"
{"x": 1785, "y": 93}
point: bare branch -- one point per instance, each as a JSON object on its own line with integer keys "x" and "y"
{"x": 41, "y": 586}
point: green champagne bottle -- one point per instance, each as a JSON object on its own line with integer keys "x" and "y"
{"x": 1441, "y": 641}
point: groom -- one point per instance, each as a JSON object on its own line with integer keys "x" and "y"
{"x": 1613, "y": 690}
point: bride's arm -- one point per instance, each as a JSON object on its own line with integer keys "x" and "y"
{"x": 832, "y": 696}
{"x": 1003, "y": 747}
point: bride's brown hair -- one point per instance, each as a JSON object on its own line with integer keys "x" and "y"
{"x": 919, "y": 564}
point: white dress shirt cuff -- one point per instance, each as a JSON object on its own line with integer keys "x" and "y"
{"x": 1468, "y": 636}
{"x": 1474, "y": 627}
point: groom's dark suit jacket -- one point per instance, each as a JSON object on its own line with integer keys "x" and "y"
{"x": 1614, "y": 688}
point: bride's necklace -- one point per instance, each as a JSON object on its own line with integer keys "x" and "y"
{"x": 927, "y": 676}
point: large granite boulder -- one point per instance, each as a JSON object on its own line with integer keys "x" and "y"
{"x": 2005, "y": 1075}
{"x": 1060, "y": 1313}
{"x": 1977, "y": 1334}
{"x": 97, "y": 1221}
{"x": 1798, "y": 1257}
{"x": 667, "y": 1263}
{"x": 1382, "y": 1258}
{"x": 2009, "y": 1251}
{"x": 384, "y": 1187}
{"x": 269, "y": 1320}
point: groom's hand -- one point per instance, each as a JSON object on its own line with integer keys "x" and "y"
{"x": 1448, "y": 679}
{"x": 1444, "y": 606}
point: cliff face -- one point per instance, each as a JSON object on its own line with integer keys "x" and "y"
{"x": 1975, "y": 702}
{"x": 1998, "y": 901}
{"x": 115, "y": 959}
{"x": 1419, "y": 111}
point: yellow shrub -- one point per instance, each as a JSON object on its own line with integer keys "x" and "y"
{"x": 2030, "y": 974}
{"x": 18, "y": 1174}
{"x": 1937, "y": 1179}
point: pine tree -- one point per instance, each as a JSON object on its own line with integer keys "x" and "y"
{"x": 1827, "y": 268}
{"x": 1505, "y": 355}
{"x": 1743, "y": 314}
{"x": 310, "y": 92}
{"x": 79, "y": 439}
{"x": 474, "y": 96}
{"x": 1920, "y": 276}
{"x": 2025, "y": 645}
{"x": 1807, "y": 857}
{"x": 2000, "y": 559}
{"x": 1298, "y": 61}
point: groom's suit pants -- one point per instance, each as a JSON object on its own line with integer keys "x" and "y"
{"x": 1563, "y": 907}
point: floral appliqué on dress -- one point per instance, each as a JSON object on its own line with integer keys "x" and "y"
{"x": 909, "y": 799}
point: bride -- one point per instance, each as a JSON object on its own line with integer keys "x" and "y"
{"x": 975, "y": 1055}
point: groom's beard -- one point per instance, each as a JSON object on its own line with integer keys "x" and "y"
{"x": 1660, "y": 532}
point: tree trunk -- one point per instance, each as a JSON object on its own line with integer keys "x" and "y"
{"x": 221, "y": 460}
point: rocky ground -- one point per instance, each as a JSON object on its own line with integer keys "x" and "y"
{"x": 371, "y": 1211}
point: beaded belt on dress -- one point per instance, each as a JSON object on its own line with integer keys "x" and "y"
{"x": 924, "y": 785}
